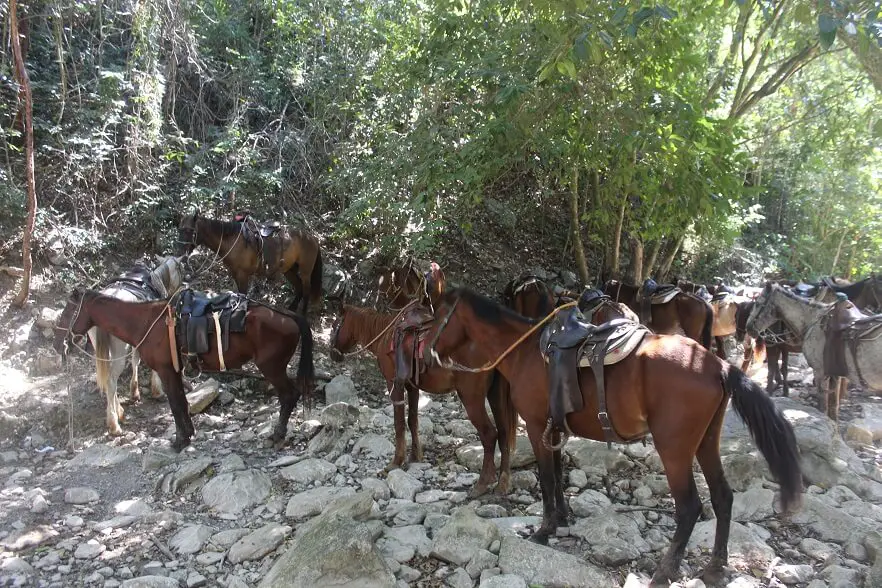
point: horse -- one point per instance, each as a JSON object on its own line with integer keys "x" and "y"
{"x": 406, "y": 282}
{"x": 270, "y": 339}
{"x": 139, "y": 283}
{"x": 670, "y": 387}
{"x": 685, "y": 314}
{"x": 866, "y": 294}
{"x": 364, "y": 327}
{"x": 529, "y": 296}
{"x": 775, "y": 343}
{"x": 824, "y": 329}
{"x": 245, "y": 253}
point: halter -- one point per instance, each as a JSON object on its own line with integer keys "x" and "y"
{"x": 336, "y": 332}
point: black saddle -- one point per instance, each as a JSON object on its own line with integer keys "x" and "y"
{"x": 196, "y": 321}
{"x": 719, "y": 296}
{"x": 407, "y": 342}
{"x": 805, "y": 290}
{"x": 270, "y": 228}
{"x": 591, "y": 299}
{"x": 136, "y": 281}
{"x": 650, "y": 288}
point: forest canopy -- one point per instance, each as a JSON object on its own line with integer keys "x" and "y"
{"x": 663, "y": 133}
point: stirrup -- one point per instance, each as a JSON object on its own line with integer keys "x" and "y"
{"x": 192, "y": 369}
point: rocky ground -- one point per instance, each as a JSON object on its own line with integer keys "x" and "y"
{"x": 78, "y": 508}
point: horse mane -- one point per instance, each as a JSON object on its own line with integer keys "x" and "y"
{"x": 484, "y": 307}
{"x": 798, "y": 298}
{"x": 367, "y": 322}
{"x": 225, "y": 228}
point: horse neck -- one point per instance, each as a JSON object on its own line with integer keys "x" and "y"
{"x": 493, "y": 339}
{"x": 210, "y": 233}
{"x": 366, "y": 324}
{"x": 797, "y": 314}
{"x": 126, "y": 321}
{"x": 166, "y": 278}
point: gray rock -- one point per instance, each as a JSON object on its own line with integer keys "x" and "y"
{"x": 194, "y": 580}
{"x": 155, "y": 459}
{"x": 81, "y": 495}
{"x": 502, "y": 581}
{"x": 615, "y": 538}
{"x": 840, "y": 576}
{"x": 150, "y": 582}
{"x": 309, "y": 470}
{"x": 259, "y": 543}
{"x": 538, "y": 564}
{"x": 589, "y": 502}
{"x": 200, "y": 398}
{"x": 338, "y": 423}
{"x": 39, "y": 504}
{"x": 794, "y": 574}
{"x": 373, "y": 445}
{"x": 403, "y": 485}
{"x": 472, "y": 456}
{"x": 578, "y": 478}
{"x": 403, "y": 543}
{"x": 829, "y": 522}
{"x": 378, "y": 488}
{"x": 590, "y": 455}
{"x": 132, "y": 507}
{"x": 312, "y": 502}
{"x": 89, "y": 550}
{"x": 190, "y": 539}
{"x": 334, "y": 549}
{"x": 341, "y": 389}
{"x": 481, "y": 560}
{"x": 226, "y": 539}
{"x": 463, "y": 534}
{"x": 16, "y": 566}
{"x": 524, "y": 480}
{"x": 871, "y": 421}
{"x": 459, "y": 579}
{"x": 101, "y": 456}
{"x": 817, "y": 550}
{"x": 755, "y": 504}
{"x": 491, "y": 511}
{"x": 231, "y": 463}
{"x": 742, "y": 542}
{"x": 189, "y": 474}
{"x": 233, "y": 492}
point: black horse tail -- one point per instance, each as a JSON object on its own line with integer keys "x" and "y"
{"x": 306, "y": 366}
{"x": 315, "y": 280}
{"x": 771, "y": 432}
{"x": 708, "y": 328}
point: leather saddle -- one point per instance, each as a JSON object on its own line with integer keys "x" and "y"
{"x": 652, "y": 293}
{"x": 570, "y": 343}
{"x": 720, "y": 296}
{"x": 408, "y": 340}
{"x": 137, "y": 282}
{"x": 846, "y": 327}
{"x": 265, "y": 238}
{"x": 196, "y": 319}
{"x": 805, "y": 290}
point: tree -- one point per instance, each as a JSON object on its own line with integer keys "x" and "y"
{"x": 21, "y": 76}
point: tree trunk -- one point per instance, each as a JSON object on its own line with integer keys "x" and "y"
{"x": 652, "y": 260}
{"x": 838, "y": 253}
{"x": 578, "y": 249}
{"x": 617, "y": 241}
{"x": 636, "y": 259}
{"x": 668, "y": 261}
{"x": 21, "y": 75}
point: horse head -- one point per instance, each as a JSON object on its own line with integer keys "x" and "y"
{"x": 72, "y": 325}
{"x": 341, "y": 340}
{"x": 186, "y": 241}
{"x": 763, "y": 315}
{"x": 449, "y": 332}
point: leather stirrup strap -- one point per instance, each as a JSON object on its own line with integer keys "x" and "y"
{"x": 597, "y": 367}
{"x": 218, "y": 335}
{"x": 170, "y": 323}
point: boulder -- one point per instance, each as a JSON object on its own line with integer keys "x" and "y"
{"x": 595, "y": 458}
{"x": 190, "y": 539}
{"x": 744, "y": 545}
{"x": 403, "y": 485}
{"x": 472, "y": 456}
{"x": 233, "y": 492}
{"x": 312, "y": 502}
{"x": 462, "y": 536}
{"x": 309, "y": 470}
{"x": 259, "y": 543}
{"x": 341, "y": 389}
{"x": 200, "y": 398}
{"x": 542, "y": 565}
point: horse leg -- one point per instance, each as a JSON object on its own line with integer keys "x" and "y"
{"x": 305, "y": 285}
{"x": 413, "y": 422}
{"x": 721, "y": 495}
{"x": 782, "y": 373}
{"x": 545, "y": 464}
{"x": 687, "y": 507}
{"x": 277, "y": 375}
{"x": 242, "y": 280}
{"x": 115, "y": 412}
{"x": 772, "y": 353}
{"x": 560, "y": 504}
{"x": 174, "y": 390}
{"x": 297, "y": 283}
{"x": 474, "y": 406}
{"x": 721, "y": 348}
{"x": 397, "y": 397}
{"x": 134, "y": 387}
{"x": 505, "y": 430}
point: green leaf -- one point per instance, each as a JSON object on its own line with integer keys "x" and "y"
{"x": 567, "y": 68}
{"x": 619, "y": 15}
{"x": 802, "y": 13}
{"x": 606, "y": 38}
{"x": 877, "y": 129}
{"x": 580, "y": 47}
{"x": 827, "y": 27}
{"x": 641, "y": 15}
{"x": 665, "y": 12}
{"x": 546, "y": 72}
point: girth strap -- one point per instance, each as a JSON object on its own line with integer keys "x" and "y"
{"x": 596, "y": 362}
{"x": 170, "y": 323}
{"x": 220, "y": 343}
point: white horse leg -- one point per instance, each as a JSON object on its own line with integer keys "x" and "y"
{"x": 134, "y": 387}
{"x": 155, "y": 385}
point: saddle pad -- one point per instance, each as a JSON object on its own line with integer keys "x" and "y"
{"x": 665, "y": 297}
{"x": 619, "y": 350}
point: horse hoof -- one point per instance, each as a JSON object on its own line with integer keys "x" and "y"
{"x": 540, "y": 537}
{"x": 178, "y": 446}
{"x": 713, "y": 575}
{"x": 479, "y": 489}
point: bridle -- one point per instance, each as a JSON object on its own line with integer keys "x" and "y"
{"x": 75, "y": 339}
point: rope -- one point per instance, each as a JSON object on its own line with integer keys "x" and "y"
{"x": 452, "y": 365}
{"x": 366, "y": 347}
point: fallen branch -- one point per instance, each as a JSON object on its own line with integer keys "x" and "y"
{"x": 16, "y": 272}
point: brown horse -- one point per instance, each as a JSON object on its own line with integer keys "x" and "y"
{"x": 406, "y": 282}
{"x": 298, "y": 255}
{"x": 529, "y": 296}
{"x": 361, "y": 326}
{"x": 670, "y": 387}
{"x": 686, "y": 314}
{"x": 270, "y": 340}
{"x": 865, "y": 294}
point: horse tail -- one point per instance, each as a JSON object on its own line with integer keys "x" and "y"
{"x": 771, "y": 432}
{"x": 708, "y": 328}
{"x": 315, "y": 280}
{"x": 306, "y": 367}
{"x": 507, "y": 416}
{"x": 759, "y": 350}
{"x": 102, "y": 359}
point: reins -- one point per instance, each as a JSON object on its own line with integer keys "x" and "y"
{"x": 454, "y": 366}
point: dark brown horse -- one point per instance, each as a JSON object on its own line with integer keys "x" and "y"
{"x": 686, "y": 314}
{"x": 270, "y": 340}
{"x": 529, "y": 296}
{"x": 670, "y": 387}
{"x": 406, "y": 282}
{"x": 361, "y": 326}
{"x": 865, "y": 294}
{"x": 297, "y": 254}
{"x": 775, "y": 344}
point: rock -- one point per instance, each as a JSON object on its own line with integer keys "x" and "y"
{"x": 615, "y": 538}
{"x": 47, "y": 318}
{"x": 858, "y": 434}
{"x": 403, "y": 485}
{"x": 524, "y": 480}
{"x": 543, "y": 565}
{"x": 156, "y": 459}
{"x": 374, "y": 446}
{"x": 830, "y": 523}
{"x": 235, "y": 491}
{"x": 592, "y": 456}
{"x": 334, "y": 549}
{"x": 226, "y": 539}
{"x": 338, "y": 423}
{"x": 578, "y": 478}
{"x": 403, "y": 543}
{"x": 190, "y": 539}
{"x": 481, "y": 560}
{"x": 312, "y": 502}
{"x": 463, "y": 534}
{"x": 150, "y": 582}
{"x": 132, "y": 507}
{"x": 755, "y": 504}
{"x": 188, "y": 475}
{"x": 204, "y": 395}
{"x": 472, "y": 456}
{"x": 378, "y": 488}
{"x": 81, "y": 495}
{"x": 871, "y": 422}
{"x": 503, "y": 581}
{"x": 16, "y": 566}
{"x": 491, "y": 511}
{"x": 89, "y": 550}
{"x": 309, "y": 470}
{"x": 101, "y": 456}
{"x": 259, "y": 543}
{"x": 815, "y": 549}
{"x": 840, "y": 576}
{"x": 405, "y": 512}
{"x": 39, "y": 505}
{"x": 339, "y": 415}
{"x": 341, "y": 389}
{"x": 794, "y": 574}
{"x": 589, "y": 502}
{"x": 194, "y": 580}
{"x": 743, "y": 544}
{"x": 459, "y": 579}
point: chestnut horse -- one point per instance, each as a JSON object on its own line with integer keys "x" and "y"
{"x": 406, "y": 282}
{"x": 299, "y": 259}
{"x": 361, "y": 326}
{"x": 687, "y": 314}
{"x": 529, "y": 296}
{"x": 270, "y": 340}
{"x": 670, "y": 387}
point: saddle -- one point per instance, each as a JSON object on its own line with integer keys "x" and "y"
{"x": 805, "y": 290}
{"x": 720, "y": 296}
{"x": 408, "y": 341}
{"x": 846, "y": 327}
{"x": 138, "y": 282}
{"x": 652, "y": 293}
{"x": 265, "y": 238}
{"x": 569, "y": 344}
{"x": 200, "y": 316}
